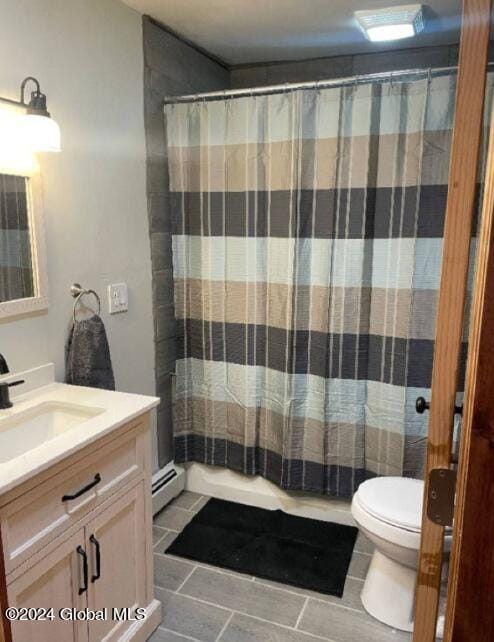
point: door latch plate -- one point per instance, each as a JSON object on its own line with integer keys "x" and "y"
{"x": 441, "y": 496}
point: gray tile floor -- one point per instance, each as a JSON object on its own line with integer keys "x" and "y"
{"x": 206, "y": 604}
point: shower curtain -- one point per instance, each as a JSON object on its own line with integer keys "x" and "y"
{"x": 307, "y": 237}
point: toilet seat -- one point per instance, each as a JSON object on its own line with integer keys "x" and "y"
{"x": 394, "y": 500}
{"x": 386, "y": 531}
{"x": 391, "y": 508}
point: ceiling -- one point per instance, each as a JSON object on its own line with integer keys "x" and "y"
{"x": 245, "y": 31}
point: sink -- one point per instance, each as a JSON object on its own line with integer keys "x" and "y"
{"x": 28, "y": 429}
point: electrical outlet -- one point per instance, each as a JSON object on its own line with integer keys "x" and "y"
{"x": 118, "y": 298}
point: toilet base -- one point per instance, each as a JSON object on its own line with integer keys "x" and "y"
{"x": 389, "y": 592}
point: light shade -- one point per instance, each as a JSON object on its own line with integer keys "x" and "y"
{"x": 392, "y": 23}
{"x": 41, "y": 133}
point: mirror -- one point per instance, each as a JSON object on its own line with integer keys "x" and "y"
{"x": 16, "y": 268}
{"x": 22, "y": 271}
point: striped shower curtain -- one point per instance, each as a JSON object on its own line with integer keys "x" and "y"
{"x": 307, "y": 238}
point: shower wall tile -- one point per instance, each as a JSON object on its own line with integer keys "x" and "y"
{"x": 162, "y": 85}
{"x": 155, "y": 130}
{"x": 310, "y": 70}
{"x": 165, "y": 434}
{"x": 166, "y": 326}
{"x": 171, "y": 67}
{"x": 250, "y": 76}
{"x": 261, "y": 74}
{"x": 159, "y": 212}
{"x": 161, "y": 249}
{"x": 405, "y": 59}
{"x": 164, "y": 390}
{"x": 166, "y": 353}
{"x": 156, "y": 168}
{"x": 183, "y": 64}
{"x": 163, "y": 296}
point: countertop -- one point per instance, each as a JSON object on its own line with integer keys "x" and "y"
{"x": 116, "y": 409}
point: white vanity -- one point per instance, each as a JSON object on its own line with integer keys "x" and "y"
{"x": 75, "y": 514}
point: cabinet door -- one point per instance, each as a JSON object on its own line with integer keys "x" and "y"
{"x": 57, "y": 581}
{"x": 117, "y": 538}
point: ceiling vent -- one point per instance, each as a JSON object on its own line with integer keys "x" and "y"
{"x": 392, "y": 23}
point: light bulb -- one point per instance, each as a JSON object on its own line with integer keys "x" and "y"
{"x": 41, "y": 133}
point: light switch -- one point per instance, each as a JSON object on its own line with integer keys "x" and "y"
{"x": 118, "y": 298}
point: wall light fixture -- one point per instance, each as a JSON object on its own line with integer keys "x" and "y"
{"x": 41, "y": 132}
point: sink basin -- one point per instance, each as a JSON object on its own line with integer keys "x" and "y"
{"x": 28, "y": 429}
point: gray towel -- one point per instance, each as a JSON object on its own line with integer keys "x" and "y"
{"x": 88, "y": 355}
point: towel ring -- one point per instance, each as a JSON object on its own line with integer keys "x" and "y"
{"x": 77, "y": 292}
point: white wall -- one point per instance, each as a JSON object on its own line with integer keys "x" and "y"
{"x": 87, "y": 55}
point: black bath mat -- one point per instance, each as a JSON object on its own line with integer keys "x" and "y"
{"x": 273, "y": 545}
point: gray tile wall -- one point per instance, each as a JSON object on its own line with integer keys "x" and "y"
{"x": 171, "y": 67}
{"x": 342, "y": 66}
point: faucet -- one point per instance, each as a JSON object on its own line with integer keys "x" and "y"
{"x": 4, "y": 369}
{"x": 6, "y": 385}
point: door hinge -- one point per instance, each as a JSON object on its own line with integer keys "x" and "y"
{"x": 441, "y": 496}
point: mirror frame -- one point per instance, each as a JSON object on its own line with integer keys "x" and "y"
{"x": 40, "y": 301}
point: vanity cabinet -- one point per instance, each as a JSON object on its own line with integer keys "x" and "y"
{"x": 51, "y": 583}
{"x": 117, "y": 553}
{"x": 78, "y": 536}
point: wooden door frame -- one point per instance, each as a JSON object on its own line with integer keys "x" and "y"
{"x": 460, "y": 208}
{"x": 470, "y": 615}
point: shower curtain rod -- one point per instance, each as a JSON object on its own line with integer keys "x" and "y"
{"x": 319, "y": 84}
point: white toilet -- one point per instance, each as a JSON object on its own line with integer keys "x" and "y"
{"x": 388, "y": 510}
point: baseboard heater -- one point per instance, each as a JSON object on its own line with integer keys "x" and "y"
{"x": 166, "y": 484}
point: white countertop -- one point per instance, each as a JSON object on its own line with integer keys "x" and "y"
{"x": 117, "y": 409}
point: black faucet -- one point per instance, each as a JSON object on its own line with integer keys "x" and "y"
{"x": 6, "y": 385}
{"x": 4, "y": 369}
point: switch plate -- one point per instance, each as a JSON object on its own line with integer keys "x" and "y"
{"x": 118, "y": 298}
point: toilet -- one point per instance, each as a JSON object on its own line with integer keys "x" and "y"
{"x": 388, "y": 510}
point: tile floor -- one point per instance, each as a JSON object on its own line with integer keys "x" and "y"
{"x": 206, "y": 604}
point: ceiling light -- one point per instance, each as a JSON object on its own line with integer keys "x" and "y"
{"x": 392, "y": 23}
{"x": 41, "y": 132}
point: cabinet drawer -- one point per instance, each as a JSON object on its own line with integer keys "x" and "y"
{"x": 33, "y": 519}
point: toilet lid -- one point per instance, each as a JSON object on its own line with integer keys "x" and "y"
{"x": 395, "y": 500}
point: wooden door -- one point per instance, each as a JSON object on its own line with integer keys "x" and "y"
{"x": 57, "y": 582}
{"x": 117, "y": 538}
{"x": 460, "y": 209}
{"x": 470, "y": 616}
